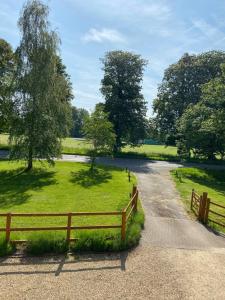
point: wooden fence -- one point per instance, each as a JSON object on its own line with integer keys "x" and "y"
{"x": 203, "y": 207}
{"x": 125, "y": 215}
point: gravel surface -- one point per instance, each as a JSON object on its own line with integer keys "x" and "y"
{"x": 177, "y": 258}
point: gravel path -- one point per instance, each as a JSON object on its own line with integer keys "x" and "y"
{"x": 177, "y": 258}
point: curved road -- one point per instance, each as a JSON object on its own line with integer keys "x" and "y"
{"x": 178, "y": 258}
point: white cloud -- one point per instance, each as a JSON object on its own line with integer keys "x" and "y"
{"x": 102, "y": 35}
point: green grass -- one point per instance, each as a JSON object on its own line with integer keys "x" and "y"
{"x": 202, "y": 180}
{"x": 152, "y": 152}
{"x": 67, "y": 187}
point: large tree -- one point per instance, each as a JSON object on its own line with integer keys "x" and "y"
{"x": 42, "y": 111}
{"x": 181, "y": 86}
{"x": 124, "y": 102}
{"x": 79, "y": 115}
{"x": 202, "y": 126}
{"x": 7, "y": 72}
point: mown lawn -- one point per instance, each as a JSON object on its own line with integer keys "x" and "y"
{"x": 81, "y": 147}
{"x": 67, "y": 187}
{"x": 202, "y": 180}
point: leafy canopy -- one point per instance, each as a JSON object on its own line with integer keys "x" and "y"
{"x": 124, "y": 102}
{"x": 98, "y": 130}
{"x": 42, "y": 112}
{"x": 181, "y": 86}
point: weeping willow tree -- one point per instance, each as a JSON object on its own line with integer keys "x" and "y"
{"x": 42, "y": 110}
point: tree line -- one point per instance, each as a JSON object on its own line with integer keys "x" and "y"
{"x": 36, "y": 99}
{"x": 190, "y": 106}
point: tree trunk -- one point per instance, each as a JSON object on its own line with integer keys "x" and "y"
{"x": 30, "y": 160}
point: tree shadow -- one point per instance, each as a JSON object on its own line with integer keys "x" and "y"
{"x": 214, "y": 179}
{"x": 16, "y": 184}
{"x": 88, "y": 178}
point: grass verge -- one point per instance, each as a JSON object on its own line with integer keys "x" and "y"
{"x": 202, "y": 180}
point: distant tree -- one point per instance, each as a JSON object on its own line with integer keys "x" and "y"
{"x": 99, "y": 132}
{"x": 202, "y": 126}
{"x": 121, "y": 87}
{"x": 7, "y": 73}
{"x": 42, "y": 110}
{"x": 181, "y": 86}
{"x": 79, "y": 115}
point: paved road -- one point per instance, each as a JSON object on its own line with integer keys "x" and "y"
{"x": 178, "y": 258}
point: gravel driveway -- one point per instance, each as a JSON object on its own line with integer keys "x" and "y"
{"x": 177, "y": 259}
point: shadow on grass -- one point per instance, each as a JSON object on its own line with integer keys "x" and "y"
{"x": 214, "y": 179}
{"x": 149, "y": 156}
{"x": 88, "y": 178}
{"x": 16, "y": 184}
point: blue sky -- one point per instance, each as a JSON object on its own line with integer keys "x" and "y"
{"x": 161, "y": 31}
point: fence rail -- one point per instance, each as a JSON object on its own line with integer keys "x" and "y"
{"x": 125, "y": 215}
{"x": 202, "y": 206}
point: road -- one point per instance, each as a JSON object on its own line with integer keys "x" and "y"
{"x": 178, "y": 258}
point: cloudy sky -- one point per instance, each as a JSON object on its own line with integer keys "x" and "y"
{"x": 161, "y": 31}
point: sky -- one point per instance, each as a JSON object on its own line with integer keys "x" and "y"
{"x": 160, "y": 31}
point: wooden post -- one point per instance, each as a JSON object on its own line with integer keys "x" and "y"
{"x": 202, "y": 207}
{"x": 136, "y": 202}
{"x": 207, "y": 211}
{"x": 8, "y": 225}
{"x": 123, "y": 228}
{"x": 192, "y": 196}
{"x": 69, "y": 227}
{"x": 133, "y": 193}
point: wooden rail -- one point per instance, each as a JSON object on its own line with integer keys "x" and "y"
{"x": 201, "y": 206}
{"x": 125, "y": 215}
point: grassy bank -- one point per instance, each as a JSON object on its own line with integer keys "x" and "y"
{"x": 202, "y": 180}
{"x": 67, "y": 187}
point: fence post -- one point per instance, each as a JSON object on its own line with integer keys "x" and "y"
{"x": 129, "y": 175}
{"x": 202, "y": 207}
{"x": 136, "y": 201}
{"x": 69, "y": 227}
{"x": 123, "y": 228}
{"x": 8, "y": 225}
{"x": 192, "y": 196}
{"x": 207, "y": 211}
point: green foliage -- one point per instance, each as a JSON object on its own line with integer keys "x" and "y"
{"x": 181, "y": 86}
{"x": 7, "y": 73}
{"x": 99, "y": 132}
{"x": 121, "y": 87}
{"x": 41, "y": 114}
{"x": 6, "y": 248}
{"x": 46, "y": 243}
{"x": 202, "y": 126}
{"x": 79, "y": 115}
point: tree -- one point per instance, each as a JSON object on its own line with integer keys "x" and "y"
{"x": 181, "y": 86}
{"x": 79, "y": 115}
{"x": 121, "y": 87}
{"x": 7, "y": 72}
{"x": 42, "y": 111}
{"x": 99, "y": 132}
{"x": 202, "y": 126}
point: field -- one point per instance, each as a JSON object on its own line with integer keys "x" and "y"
{"x": 81, "y": 147}
{"x": 202, "y": 180}
{"x": 67, "y": 187}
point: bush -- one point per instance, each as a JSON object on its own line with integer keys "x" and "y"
{"x": 50, "y": 243}
{"x": 6, "y": 248}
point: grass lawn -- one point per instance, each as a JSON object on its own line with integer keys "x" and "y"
{"x": 67, "y": 187}
{"x": 81, "y": 147}
{"x": 202, "y": 180}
